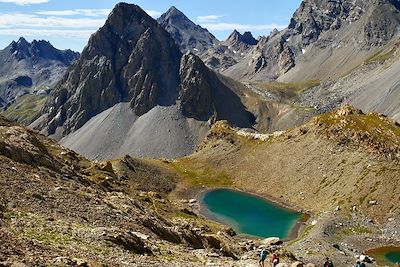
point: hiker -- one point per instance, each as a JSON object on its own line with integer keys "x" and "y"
{"x": 263, "y": 256}
{"x": 328, "y": 263}
{"x": 359, "y": 263}
{"x": 274, "y": 260}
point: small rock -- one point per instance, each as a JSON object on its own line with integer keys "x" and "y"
{"x": 80, "y": 263}
{"x": 192, "y": 201}
{"x": 271, "y": 241}
{"x": 106, "y": 166}
{"x": 154, "y": 195}
{"x": 229, "y": 231}
{"x": 213, "y": 255}
{"x": 373, "y": 202}
{"x": 140, "y": 235}
{"x": 297, "y": 264}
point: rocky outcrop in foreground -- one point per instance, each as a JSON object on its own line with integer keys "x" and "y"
{"x": 75, "y": 212}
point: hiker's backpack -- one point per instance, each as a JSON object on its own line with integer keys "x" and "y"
{"x": 263, "y": 254}
{"x": 328, "y": 264}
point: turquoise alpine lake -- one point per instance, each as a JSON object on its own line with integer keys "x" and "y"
{"x": 249, "y": 214}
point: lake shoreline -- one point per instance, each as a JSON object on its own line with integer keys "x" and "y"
{"x": 379, "y": 254}
{"x": 295, "y": 231}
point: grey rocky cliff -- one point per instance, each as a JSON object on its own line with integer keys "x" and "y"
{"x": 196, "y": 91}
{"x": 321, "y": 25}
{"x": 130, "y": 59}
{"x": 314, "y": 17}
{"x": 204, "y": 96}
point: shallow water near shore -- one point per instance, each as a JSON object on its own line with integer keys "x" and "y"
{"x": 386, "y": 255}
{"x": 249, "y": 214}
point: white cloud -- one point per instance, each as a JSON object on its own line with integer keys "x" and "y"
{"x": 89, "y": 12}
{"x": 241, "y": 27}
{"x": 75, "y": 12}
{"x": 25, "y": 2}
{"x": 27, "y": 20}
{"x": 82, "y": 34}
{"x": 153, "y": 13}
{"x": 208, "y": 18}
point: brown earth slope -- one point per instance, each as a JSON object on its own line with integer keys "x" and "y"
{"x": 345, "y": 159}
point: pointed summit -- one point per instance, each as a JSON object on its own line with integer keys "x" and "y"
{"x": 235, "y": 35}
{"x": 173, "y": 11}
{"x": 22, "y": 41}
{"x": 188, "y": 35}
{"x": 237, "y": 40}
{"x": 249, "y": 39}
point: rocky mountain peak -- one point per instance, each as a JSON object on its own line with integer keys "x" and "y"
{"x": 22, "y": 42}
{"x": 188, "y": 35}
{"x": 41, "y": 49}
{"x": 174, "y": 13}
{"x": 249, "y": 39}
{"x": 130, "y": 59}
{"x": 237, "y": 39}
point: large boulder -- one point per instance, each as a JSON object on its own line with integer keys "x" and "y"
{"x": 130, "y": 241}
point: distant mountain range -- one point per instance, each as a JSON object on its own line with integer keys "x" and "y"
{"x": 31, "y": 68}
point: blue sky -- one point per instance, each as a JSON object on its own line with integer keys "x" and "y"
{"x": 68, "y": 24}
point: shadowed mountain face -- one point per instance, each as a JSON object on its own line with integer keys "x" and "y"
{"x": 188, "y": 35}
{"x": 132, "y": 59}
{"x": 29, "y": 67}
{"x": 203, "y": 95}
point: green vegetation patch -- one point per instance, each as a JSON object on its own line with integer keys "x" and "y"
{"x": 381, "y": 56}
{"x": 354, "y": 230}
{"x": 200, "y": 176}
{"x": 291, "y": 89}
{"x": 56, "y": 234}
{"x": 26, "y": 108}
